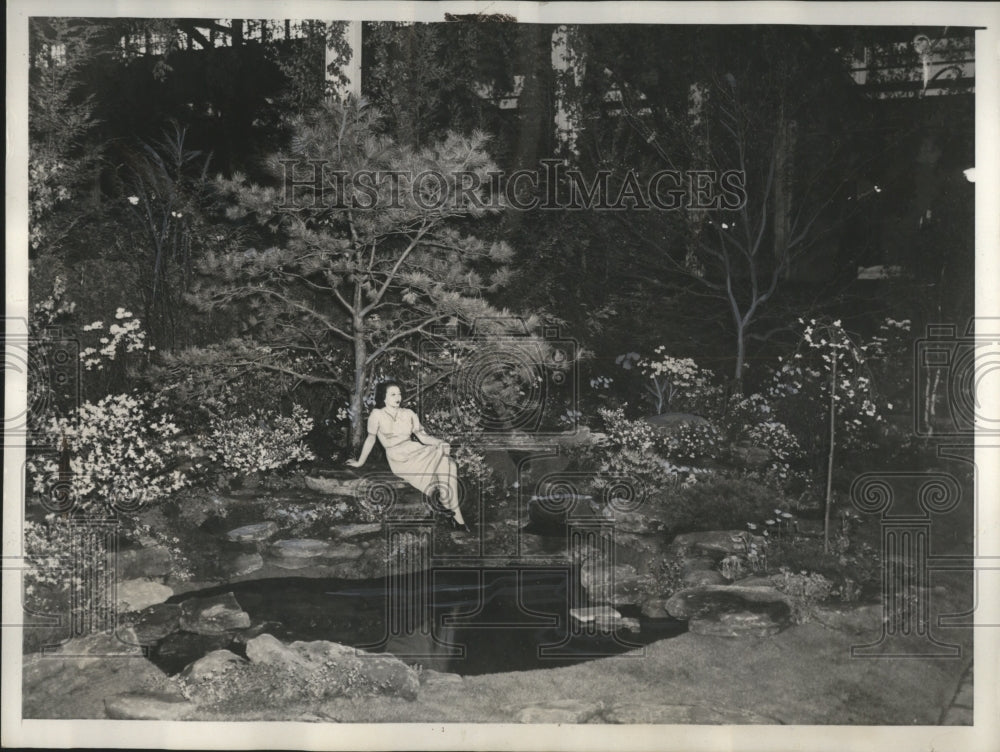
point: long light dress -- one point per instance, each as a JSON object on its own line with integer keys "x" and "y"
{"x": 422, "y": 466}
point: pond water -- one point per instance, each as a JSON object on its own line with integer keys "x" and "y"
{"x": 465, "y": 621}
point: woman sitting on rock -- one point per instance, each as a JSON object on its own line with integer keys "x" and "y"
{"x": 425, "y": 464}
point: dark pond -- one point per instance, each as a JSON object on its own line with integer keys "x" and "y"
{"x": 466, "y": 621}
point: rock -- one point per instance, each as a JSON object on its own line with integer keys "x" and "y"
{"x": 731, "y": 611}
{"x": 605, "y": 618}
{"x": 243, "y": 564}
{"x": 703, "y": 577}
{"x": 558, "y": 711}
{"x": 356, "y": 530}
{"x": 554, "y": 511}
{"x": 215, "y": 663}
{"x": 344, "y": 551}
{"x": 697, "y": 564}
{"x": 716, "y": 543}
{"x": 81, "y": 652}
{"x": 148, "y": 706}
{"x": 655, "y": 608}
{"x": 651, "y": 713}
{"x": 750, "y": 457}
{"x": 325, "y": 669}
{"x": 156, "y": 622}
{"x": 854, "y": 619}
{"x": 300, "y": 548}
{"x": 134, "y": 563}
{"x": 743, "y": 624}
{"x": 334, "y": 486}
{"x": 619, "y": 586}
{"x": 73, "y": 687}
{"x": 259, "y": 531}
{"x": 431, "y": 678}
{"x": 179, "y": 649}
{"x": 213, "y": 615}
{"x": 755, "y": 581}
{"x": 135, "y": 595}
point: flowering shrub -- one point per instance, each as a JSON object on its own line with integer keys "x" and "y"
{"x": 630, "y": 451}
{"x": 125, "y": 337}
{"x": 805, "y": 590}
{"x": 120, "y": 453}
{"x": 676, "y": 382}
{"x": 802, "y": 385}
{"x": 262, "y": 440}
{"x": 691, "y": 442}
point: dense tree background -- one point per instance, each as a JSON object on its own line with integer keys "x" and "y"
{"x": 127, "y": 138}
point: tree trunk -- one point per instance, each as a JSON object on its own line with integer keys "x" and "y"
{"x": 741, "y": 354}
{"x": 358, "y": 389}
{"x": 829, "y": 466}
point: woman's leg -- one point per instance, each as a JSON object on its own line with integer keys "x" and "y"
{"x": 447, "y": 484}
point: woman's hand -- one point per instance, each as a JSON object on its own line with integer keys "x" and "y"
{"x": 354, "y": 463}
{"x": 445, "y": 448}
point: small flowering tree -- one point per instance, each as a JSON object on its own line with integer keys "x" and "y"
{"x": 831, "y": 368}
{"x": 669, "y": 380}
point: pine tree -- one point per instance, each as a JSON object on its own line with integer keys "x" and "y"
{"x": 366, "y": 272}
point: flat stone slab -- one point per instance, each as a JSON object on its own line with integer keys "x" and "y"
{"x": 604, "y": 618}
{"x": 357, "y": 529}
{"x": 211, "y": 616}
{"x": 431, "y": 678}
{"x": 716, "y": 543}
{"x": 300, "y": 548}
{"x": 245, "y": 564}
{"x": 344, "y": 551}
{"x": 558, "y": 711}
{"x": 854, "y": 619}
{"x": 652, "y": 713}
{"x": 148, "y": 706}
{"x": 703, "y": 577}
{"x": 135, "y": 595}
{"x": 257, "y": 532}
{"x": 155, "y": 561}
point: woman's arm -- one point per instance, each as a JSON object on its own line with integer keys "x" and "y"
{"x": 366, "y": 448}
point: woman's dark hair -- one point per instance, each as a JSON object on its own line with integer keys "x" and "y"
{"x": 381, "y": 388}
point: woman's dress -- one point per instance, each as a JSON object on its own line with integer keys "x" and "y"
{"x": 423, "y": 467}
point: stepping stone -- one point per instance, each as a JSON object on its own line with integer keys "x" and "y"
{"x": 604, "y": 618}
{"x": 717, "y": 543}
{"x": 558, "y": 711}
{"x": 356, "y": 530}
{"x": 257, "y": 532}
{"x": 334, "y": 486}
{"x": 703, "y": 577}
{"x": 300, "y": 548}
{"x": 211, "y": 616}
{"x": 148, "y": 706}
{"x": 431, "y": 678}
{"x": 652, "y": 713}
{"x": 135, "y": 595}
{"x": 245, "y": 564}
{"x": 155, "y": 561}
{"x": 344, "y": 551}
